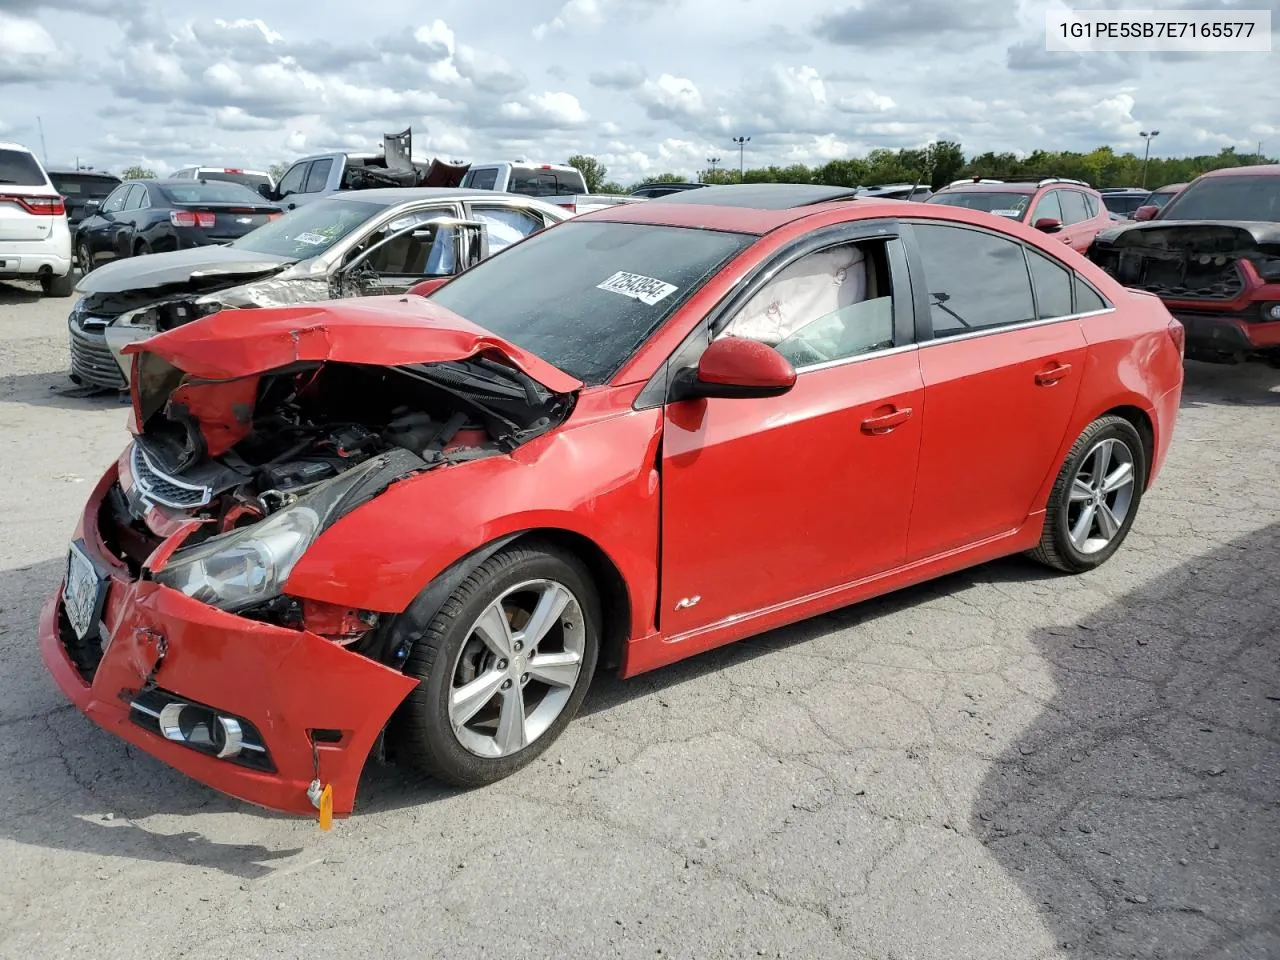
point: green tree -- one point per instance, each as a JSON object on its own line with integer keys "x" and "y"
{"x": 611, "y": 186}
{"x": 277, "y": 170}
{"x": 592, "y": 170}
{"x": 946, "y": 160}
{"x": 137, "y": 173}
{"x": 660, "y": 178}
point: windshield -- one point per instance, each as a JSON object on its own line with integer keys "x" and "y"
{"x": 197, "y": 192}
{"x": 1002, "y": 204}
{"x": 584, "y": 296}
{"x": 309, "y": 231}
{"x": 83, "y": 185}
{"x": 1123, "y": 203}
{"x": 1159, "y": 198}
{"x": 19, "y": 167}
{"x": 1238, "y": 197}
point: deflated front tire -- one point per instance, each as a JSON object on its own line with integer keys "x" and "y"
{"x": 504, "y": 666}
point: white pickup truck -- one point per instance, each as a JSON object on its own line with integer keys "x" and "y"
{"x": 555, "y": 183}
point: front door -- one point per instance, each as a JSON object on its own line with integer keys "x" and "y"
{"x": 769, "y": 500}
{"x": 1001, "y": 377}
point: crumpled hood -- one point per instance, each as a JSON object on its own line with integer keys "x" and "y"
{"x": 1194, "y": 236}
{"x": 386, "y": 331}
{"x": 212, "y": 264}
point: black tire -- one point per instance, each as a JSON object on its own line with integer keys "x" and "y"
{"x": 420, "y": 733}
{"x": 141, "y": 248}
{"x": 85, "y": 256}
{"x": 1056, "y": 548}
{"x": 62, "y": 286}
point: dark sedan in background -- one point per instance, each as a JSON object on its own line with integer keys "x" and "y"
{"x": 78, "y": 188}
{"x": 154, "y": 216}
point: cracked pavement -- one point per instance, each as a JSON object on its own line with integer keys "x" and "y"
{"x": 1003, "y": 763}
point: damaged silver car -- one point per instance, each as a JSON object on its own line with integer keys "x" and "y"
{"x": 356, "y": 243}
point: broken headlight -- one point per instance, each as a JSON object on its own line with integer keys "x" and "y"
{"x": 247, "y": 566}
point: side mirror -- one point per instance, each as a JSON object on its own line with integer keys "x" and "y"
{"x": 734, "y": 367}
{"x": 267, "y": 192}
{"x": 91, "y": 207}
{"x": 1048, "y": 224}
{"x": 1147, "y": 211}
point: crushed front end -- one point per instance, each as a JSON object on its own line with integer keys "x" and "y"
{"x": 175, "y": 627}
{"x": 1220, "y": 280}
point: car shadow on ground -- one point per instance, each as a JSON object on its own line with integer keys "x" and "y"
{"x": 57, "y": 390}
{"x": 1220, "y": 384}
{"x": 12, "y": 293}
{"x": 1141, "y": 809}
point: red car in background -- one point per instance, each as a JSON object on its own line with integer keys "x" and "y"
{"x": 1069, "y": 210}
{"x": 638, "y": 435}
{"x": 1212, "y": 254}
{"x": 1157, "y": 200}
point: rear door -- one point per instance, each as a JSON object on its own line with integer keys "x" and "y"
{"x": 1077, "y": 222}
{"x": 506, "y": 223}
{"x": 1002, "y": 367}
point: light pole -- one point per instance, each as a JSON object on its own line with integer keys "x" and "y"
{"x": 713, "y": 161}
{"x": 1146, "y": 153}
{"x": 742, "y": 146}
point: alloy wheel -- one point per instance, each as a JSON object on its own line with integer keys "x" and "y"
{"x": 517, "y": 668}
{"x": 1100, "y": 495}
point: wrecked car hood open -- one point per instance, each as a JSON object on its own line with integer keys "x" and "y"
{"x": 198, "y": 266}
{"x": 387, "y": 331}
{"x": 1195, "y": 236}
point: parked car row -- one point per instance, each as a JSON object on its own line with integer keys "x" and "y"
{"x": 425, "y": 520}
{"x": 1070, "y": 210}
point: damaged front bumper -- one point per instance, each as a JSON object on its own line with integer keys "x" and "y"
{"x": 251, "y": 709}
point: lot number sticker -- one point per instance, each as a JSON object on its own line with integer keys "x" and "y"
{"x": 645, "y": 289}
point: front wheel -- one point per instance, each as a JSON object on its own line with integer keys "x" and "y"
{"x": 1095, "y": 498}
{"x": 504, "y": 666}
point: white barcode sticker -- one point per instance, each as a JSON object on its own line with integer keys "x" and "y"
{"x": 645, "y": 289}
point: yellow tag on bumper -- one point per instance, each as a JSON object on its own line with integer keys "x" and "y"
{"x": 326, "y": 808}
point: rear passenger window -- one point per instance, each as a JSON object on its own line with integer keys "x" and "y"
{"x": 1052, "y": 285}
{"x": 1088, "y": 299}
{"x": 1073, "y": 209}
{"x": 318, "y": 175}
{"x": 1091, "y": 203}
{"x": 975, "y": 280}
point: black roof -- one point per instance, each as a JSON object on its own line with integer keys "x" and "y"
{"x": 761, "y": 196}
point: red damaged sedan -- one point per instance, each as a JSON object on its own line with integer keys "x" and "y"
{"x": 422, "y": 524}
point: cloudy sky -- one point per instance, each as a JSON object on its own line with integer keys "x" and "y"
{"x": 646, "y": 85}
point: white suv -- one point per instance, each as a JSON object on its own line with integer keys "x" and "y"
{"x": 35, "y": 242}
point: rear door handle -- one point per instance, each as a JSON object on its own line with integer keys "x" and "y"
{"x": 886, "y": 422}
{"x": 1050, "y": 376}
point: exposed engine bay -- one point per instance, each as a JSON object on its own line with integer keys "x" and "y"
{"x": 1185, "y": 261}
{"x": 231, "y": 453}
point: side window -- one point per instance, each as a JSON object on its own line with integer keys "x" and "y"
{"x": 291, "y": 182}
{"x": 1048, "y": 207}
{"x": 318, "y": 176}
{"x": 1073, "y": 207}
{"x": 1087, "y": 298}
{"x": 115, "y": 202}
{"x": 829, "y": 305}
{"x": 431, "y": 255}
{"x": 975, "y": 280}
{"x": 1052, "y": 284}
{"x": 136, "y": 195}
{"x": 481, "y": 179}
{"x": 1091, "y": 204}
{"x": 506, "y": 224}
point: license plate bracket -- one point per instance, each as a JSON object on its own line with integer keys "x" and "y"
{"x": 85, "y": 593}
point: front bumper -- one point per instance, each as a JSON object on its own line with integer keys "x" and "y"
{"x": 286, "y": 683}
{"x": 92, "y": 361}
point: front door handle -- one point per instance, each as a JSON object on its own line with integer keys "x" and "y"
{"x": 886, "y": 422}
{"x": 1051, "y": 375}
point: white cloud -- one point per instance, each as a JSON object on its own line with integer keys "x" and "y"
{"x": 27, "y": 51}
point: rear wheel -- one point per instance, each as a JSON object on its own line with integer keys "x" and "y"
{"x": 504, "y": 666}
{"x": 141, "y": 248}
{"x": 1095, "y": 498}
{"x": 58, "y": 286}
{"x": 85, "y": 256}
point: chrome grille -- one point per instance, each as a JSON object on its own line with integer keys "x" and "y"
{"x": 91, "y": 359}
{"x": 163, "y": 489}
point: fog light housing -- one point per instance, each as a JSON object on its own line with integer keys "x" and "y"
{"x": 1271, "y": 311}
{"x": 201, "y": 728}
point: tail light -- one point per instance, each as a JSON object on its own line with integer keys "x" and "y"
{"x": 191, "y": 218}
{"x": 275, "y": 216}
{"x": 1178, "y": 334}
{"x": 40, "y": 206}
{"x": 570, "y": 205}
